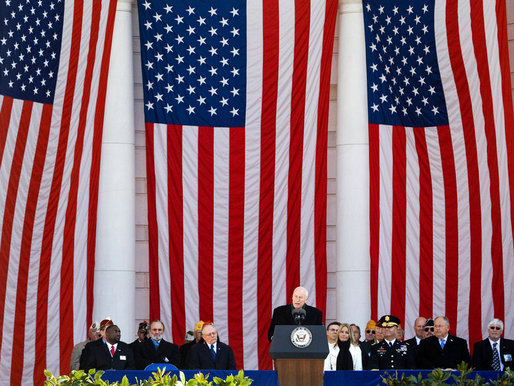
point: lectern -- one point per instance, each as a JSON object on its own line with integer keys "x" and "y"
{"x": 299, "y": 353}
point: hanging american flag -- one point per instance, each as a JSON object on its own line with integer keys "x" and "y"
{"x": 54, "y": 58}
{"x": 441, "y": 162}
{"x": 236, "y": 107}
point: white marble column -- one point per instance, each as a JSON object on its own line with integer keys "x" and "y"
{"x": 115, "y": 240}
{"x": 353, "y": 271}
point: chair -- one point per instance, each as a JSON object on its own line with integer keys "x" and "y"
{"x": 162, "y": 366}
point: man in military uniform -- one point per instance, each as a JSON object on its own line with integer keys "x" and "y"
{"x": 391, "y": 353}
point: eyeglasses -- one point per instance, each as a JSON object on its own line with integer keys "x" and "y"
{"x": 427, "y": 329}
{"x": 210, "y": 334}
{"x": 370, "y": 332}
{"x": 495, "y": 328}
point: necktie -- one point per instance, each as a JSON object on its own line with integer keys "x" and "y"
{"x": 441, "y": 341}
{"x": 112, "y": 351}
{"x": 390, "y": 344}
{"x": 213, "y": 352}
{"x": 496, "y": 358}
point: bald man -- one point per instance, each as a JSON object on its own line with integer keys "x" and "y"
{"x": 286, "y": 315}
{"x": 419, "y": 330}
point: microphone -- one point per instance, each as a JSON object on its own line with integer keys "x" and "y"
{"x": 298, "y": 315}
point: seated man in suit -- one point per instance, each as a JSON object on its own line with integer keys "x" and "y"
{"x": 442, "y": 350}
{"x": 419, "y": 331}
{"x": 295, "y": 313}
{"x": 494, "y": 352}
{"x": 210, "y": 353}
{"x": 111, "y": 355}
{"x": 156, "y": 349}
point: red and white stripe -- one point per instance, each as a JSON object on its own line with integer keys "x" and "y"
{"x": 49, "y": 172}
{"x": 447, "y": 190}
{"x": 237, "y": 214}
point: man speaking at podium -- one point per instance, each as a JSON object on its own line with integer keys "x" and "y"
{"x": 295, "y": 313}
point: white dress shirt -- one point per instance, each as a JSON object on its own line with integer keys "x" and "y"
{"x": 111, "y": 345}
{"x": 498, "y": 350}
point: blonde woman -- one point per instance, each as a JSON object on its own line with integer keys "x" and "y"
{"x": 352, "y": 356}
{"x": 344, "y": 358}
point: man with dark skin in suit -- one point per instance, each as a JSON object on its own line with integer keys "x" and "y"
{"x": 113, "y": 354}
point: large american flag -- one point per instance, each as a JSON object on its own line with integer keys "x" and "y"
{"x": 54, "y": 58}
{"x": 236, "y": 108}
{"x": 441, "y": 162}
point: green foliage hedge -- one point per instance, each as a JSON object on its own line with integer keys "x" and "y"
{"x": 440, "y": 377}
{"x": 159, "y": 378}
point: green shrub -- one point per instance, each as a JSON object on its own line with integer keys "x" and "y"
{"x": 439, "y": 377}
{"x": 159, "y": 378}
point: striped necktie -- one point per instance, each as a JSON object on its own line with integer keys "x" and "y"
{"x": 496, "y": 358}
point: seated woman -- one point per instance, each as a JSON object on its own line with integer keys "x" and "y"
{"x": 352, "y": 355}
{"x": 344, "y": 358}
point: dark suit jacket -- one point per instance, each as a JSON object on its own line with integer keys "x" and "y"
{"x": 87, "y": 351}
{"x": 431, "y": 356}
{"x": 146, "y": 354}
{"x": 184, "y": 353}
{"x": 483, "y": 354}
{"x": 283, "y": 316}
{"x": 200, "y": 357}
{"x": 413, "y": 345}
{"x": 99, "y": 358}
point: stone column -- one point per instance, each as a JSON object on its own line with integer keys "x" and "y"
{"x": 353, "y": 270}
{"x": 115, "y": 241}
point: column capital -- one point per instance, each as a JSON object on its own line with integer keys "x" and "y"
{"x": 124, "y": 5}
{"x": 350, "y": 6}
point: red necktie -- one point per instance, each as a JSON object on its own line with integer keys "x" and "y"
{"x": 112, "y": 351}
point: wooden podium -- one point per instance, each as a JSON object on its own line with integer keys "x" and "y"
{"x": 297, "y": 364}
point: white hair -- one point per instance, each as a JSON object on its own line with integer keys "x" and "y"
{"x": 495, "y": 321}
{"x": 302, "y": 289}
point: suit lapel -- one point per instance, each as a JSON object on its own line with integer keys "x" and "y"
{"x": 290, "y": 314}
{"x": 208, "y": 353}
{"x": 488, "y": 349}
{"x": 159, "y": 348}
{"x": 503, "y": 347}
{"x": 106, "y": 350}
{"x": 436, "y": 344}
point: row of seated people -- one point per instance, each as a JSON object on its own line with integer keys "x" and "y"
{"x": 384, "y": 348}
{"x": 105, "y": 351}
{"x": 432, "y": 346}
